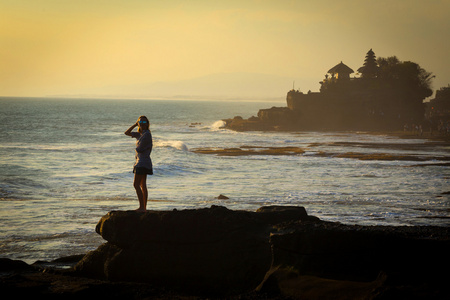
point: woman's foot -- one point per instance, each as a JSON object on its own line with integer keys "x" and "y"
{"x": 141, "y": 210}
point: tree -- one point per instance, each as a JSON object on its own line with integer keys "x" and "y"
{"x": 407, "y": 74}
{"x": 387, "y": 67}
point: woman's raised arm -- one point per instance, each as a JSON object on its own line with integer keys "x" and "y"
{"x": 128, "y": 132}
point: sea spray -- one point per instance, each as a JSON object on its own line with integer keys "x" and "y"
{"x": 218, "y": 125}
{"x": 179, "y": 145}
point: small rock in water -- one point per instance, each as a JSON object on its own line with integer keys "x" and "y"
{"x": 223, "y": 197}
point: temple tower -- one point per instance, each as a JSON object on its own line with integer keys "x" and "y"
{"x": 370, "y": 67}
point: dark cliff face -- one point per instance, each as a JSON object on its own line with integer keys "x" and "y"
{"x": 357, "y": 104}
{"x": 350, "y": 104}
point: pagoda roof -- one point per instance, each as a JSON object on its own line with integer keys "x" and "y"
{"x": 341, "y": 68}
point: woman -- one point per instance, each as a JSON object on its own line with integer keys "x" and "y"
{"x": 143, "y": 165}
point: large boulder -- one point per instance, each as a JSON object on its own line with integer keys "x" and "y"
{"x": 212, "y": 249}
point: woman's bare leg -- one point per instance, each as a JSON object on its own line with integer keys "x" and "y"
{"x": 144, "y": 191}
{"x": 142, "y": 196}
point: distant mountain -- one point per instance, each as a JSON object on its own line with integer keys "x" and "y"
{"x": 246, "y": 86}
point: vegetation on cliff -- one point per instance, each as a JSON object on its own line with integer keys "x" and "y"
{"x": 438, "y": 110}
{"x": 405, "y": 75}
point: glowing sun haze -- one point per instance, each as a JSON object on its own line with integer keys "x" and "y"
{"x": 161, "y": 48}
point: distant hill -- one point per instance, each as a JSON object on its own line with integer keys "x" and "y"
{"x": 245, "y": 86}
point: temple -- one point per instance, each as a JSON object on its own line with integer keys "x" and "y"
{"x": 376, "y": 97}
{"x": 363, "y": 102}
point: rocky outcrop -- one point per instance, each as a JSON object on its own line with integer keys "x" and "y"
{"x": 270, "y": 119}
{"x": 375, "y": 259}
{"x": 340, "y": 251}
{"x": 275, "y": 250}
{"x": 274, "y": 253}
{"x": 212, "y": 249}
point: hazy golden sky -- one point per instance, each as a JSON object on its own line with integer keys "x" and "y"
{"x": 78, "y": 47}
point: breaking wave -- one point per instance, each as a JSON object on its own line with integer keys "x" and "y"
{"x": 179, "y": 145}
{"x": 218, "y": 125}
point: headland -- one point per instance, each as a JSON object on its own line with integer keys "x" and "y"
{"x": 387, "y": 95}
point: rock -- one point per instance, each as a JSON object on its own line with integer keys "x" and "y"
{"x": 239, "y": 124}
{"x": 287, "y": 282}
{"x": 250, "y": 150}
{"x": 10, "y": 265}
{"x": 222, "y": 197}
{"x": 277, "y": 252}
{"x": 214, "y": 250}
{"x": 62, "y": 285}
{"x": 384, "y": 258}
{"x": 276, "y": 115}
{"x": 272, "y": 119}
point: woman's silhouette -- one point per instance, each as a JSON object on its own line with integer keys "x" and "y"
{"x": 143, "y": 164}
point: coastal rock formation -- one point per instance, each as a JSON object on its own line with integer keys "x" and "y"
{"x": 277, "y": 252}
{"x": 271, "y": 119}
{"x": 212, "y": 250}
{"x": 251, "y": 150}
{"x": 316, "y": 260}
{"x": 360, "y": 253}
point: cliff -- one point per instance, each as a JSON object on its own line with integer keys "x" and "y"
{"x": 351, "y": 105}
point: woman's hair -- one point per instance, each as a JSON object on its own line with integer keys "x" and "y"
{"x": 144, "y": 126}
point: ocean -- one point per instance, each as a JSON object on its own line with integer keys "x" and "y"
{"x": 64, "y": 163}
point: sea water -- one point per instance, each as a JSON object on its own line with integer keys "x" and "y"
{"x": 64, "y": 163}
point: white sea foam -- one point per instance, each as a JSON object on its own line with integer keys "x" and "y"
{"x": 218, "y": 125}
{"x": 179, "y": 145}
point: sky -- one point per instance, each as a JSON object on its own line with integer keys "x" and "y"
{"x": 252, "y": 48}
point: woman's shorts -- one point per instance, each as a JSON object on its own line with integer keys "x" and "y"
{"x": 142, "y": 171}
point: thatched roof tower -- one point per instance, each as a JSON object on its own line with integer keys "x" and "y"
{"x": 341, "y": 71}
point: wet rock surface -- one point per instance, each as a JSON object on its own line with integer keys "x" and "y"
{"x": 216, "y": 253}
{"x": 212, "y": 249}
